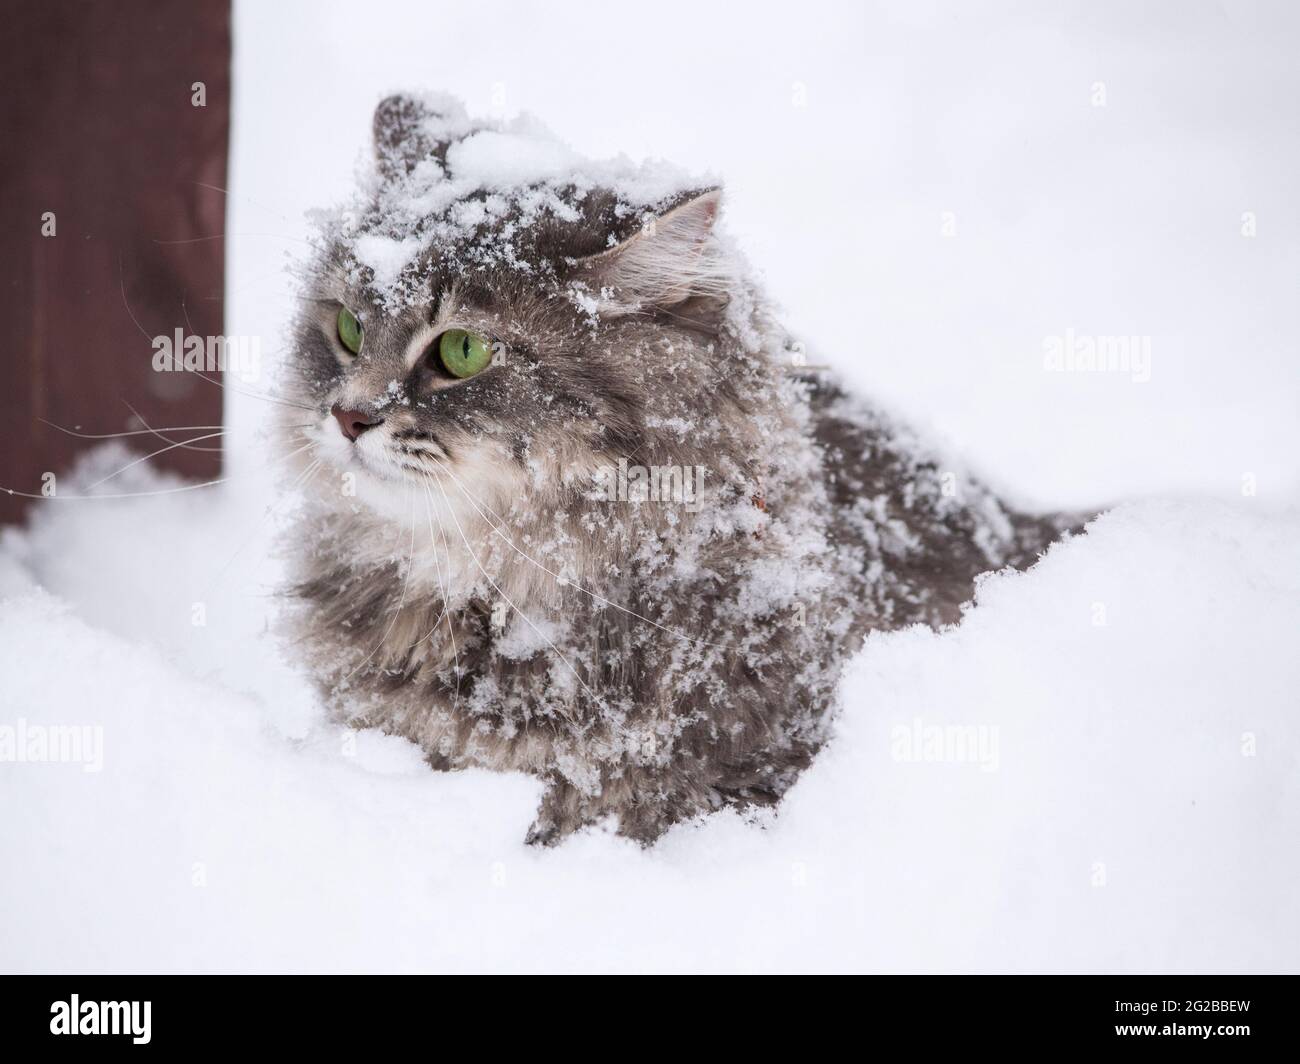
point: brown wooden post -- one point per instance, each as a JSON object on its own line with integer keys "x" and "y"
{"x": 107, "y": 149}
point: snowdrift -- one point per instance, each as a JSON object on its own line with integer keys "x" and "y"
{"x": 1095, "y": 770}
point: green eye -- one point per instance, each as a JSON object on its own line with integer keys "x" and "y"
{"x": 350, "y": 331}
{"x": 464, "y": 353}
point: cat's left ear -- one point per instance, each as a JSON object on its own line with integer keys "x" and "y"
{"x": 669, "y": 261}
{"x": 409, "y": 129}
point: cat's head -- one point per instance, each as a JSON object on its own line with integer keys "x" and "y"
{"x": 497, "y": 313}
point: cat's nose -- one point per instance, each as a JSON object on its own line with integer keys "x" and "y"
{"x": 354, "y": 422}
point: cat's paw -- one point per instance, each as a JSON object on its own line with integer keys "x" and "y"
{"x": 559, "y": 815}
{"x": 543, "y": 833}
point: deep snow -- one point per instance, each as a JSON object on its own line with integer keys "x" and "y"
{"x": 1133, "y": 800}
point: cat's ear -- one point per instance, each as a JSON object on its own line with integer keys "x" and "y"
{"x": 409, "y": 129}
{"x": 669, "y": 261}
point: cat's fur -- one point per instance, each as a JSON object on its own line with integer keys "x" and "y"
{"x": 652, "y": 660}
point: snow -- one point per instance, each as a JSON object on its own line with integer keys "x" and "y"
{"x": 498, "y": 160}
{"x": 386, "y": 256}
{"x": 517, "y": 169}
{"x": 1123, "y": 794}
{"x": 1139, "y": 812}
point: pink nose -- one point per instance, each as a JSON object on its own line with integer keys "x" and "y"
{"x": 354, "y": 422}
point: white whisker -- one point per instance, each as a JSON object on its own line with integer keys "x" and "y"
{"x": 141, "y": 494}
{"x": 154, "y": 454}
{"x": 185, "y": 444}
{"x": 118, "y": 495}
{"x": 134, "y": 432}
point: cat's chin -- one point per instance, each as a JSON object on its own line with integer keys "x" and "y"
{"x": 390, "y": 475}
{"x": 356, "y": 485}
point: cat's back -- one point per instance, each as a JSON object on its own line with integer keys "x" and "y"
{"x": 921, "y": 528}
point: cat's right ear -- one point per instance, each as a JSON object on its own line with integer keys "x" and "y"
{"x": 671, "y": 260}
{"x": 407, "y": 130}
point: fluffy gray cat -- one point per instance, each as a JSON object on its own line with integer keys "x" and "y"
{"x": 571, "y": 506}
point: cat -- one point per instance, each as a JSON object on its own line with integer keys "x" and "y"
{"x": 572, "y": 505}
